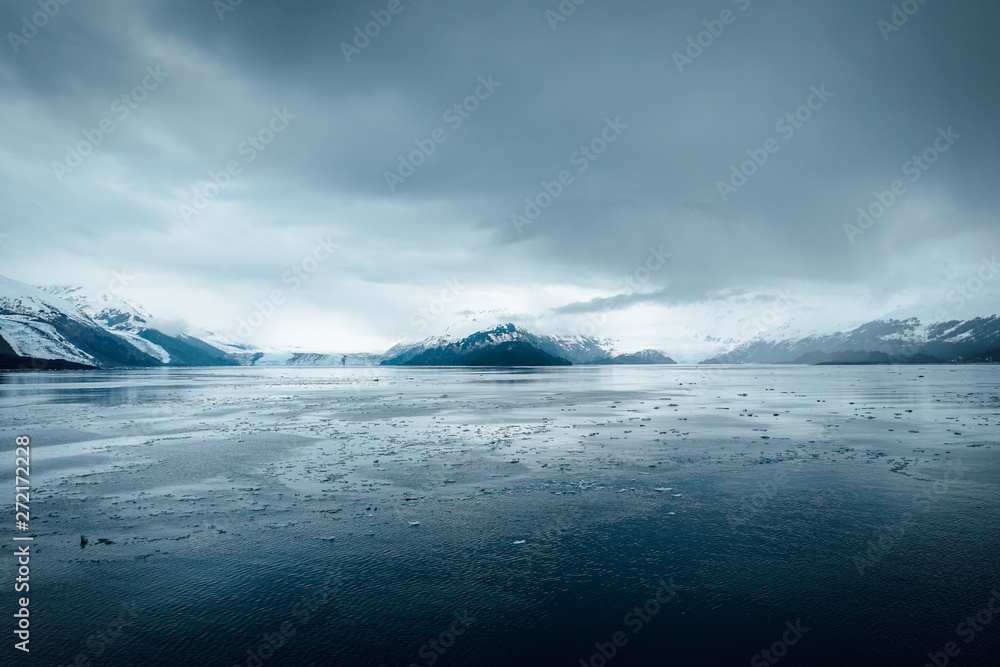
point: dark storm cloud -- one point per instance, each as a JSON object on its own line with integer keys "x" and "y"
{"x": 557, "y": 89}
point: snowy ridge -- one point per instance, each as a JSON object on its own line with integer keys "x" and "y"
{"x": 879, "y": 341}
{"x": 150, "y": 348}
{"x": 18, "y": 298}
{"x": 106, "y": 308}
{"x": 516, "y": 340}
{"x": 38, "y": 340}
{"x": 494, "y": 327}
{"x": 68, "y": 324}
{"x": 118, "y": 316}
{"x": 226, "y": 344}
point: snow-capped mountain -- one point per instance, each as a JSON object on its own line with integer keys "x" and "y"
{"x": 63, "y": 327}
{"x": 641, "y": 358}
{"x": 880, "y": 341}
{"x": 43, "y": 330}
{"x": 66, "y": 328}
{"x": 511, "y": 345}
{"x": 116, "y": 315}
{"x": 137, "y": 326}
{"x": 577, "y": 349}
{"x": 505, "y": 345}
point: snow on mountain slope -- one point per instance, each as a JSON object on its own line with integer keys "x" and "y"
{"x": 39, "y": 340}
{"x": 224, "y": 343}
{"x": 118, "y": 316}
{"x": 579, "y": 349}
{"x": 896, "y": 340}
{"x": 643, "y": 357}
{"x": 105, "y": 307}
{"x": 149, "y": 347}
{"x": 575, "y": 349}
{"x": 25, "y": 323}
{"x": 494, "y": 327}
{"x": 17, "y": 298}
{"x": 70, "y": 324}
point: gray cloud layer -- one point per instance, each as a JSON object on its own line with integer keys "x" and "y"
{"x": 655, "y": 185}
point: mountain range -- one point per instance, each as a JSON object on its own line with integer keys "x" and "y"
{"x": 880, "y": 342}
{"x": 63, "y": 328}
{"x": 510, "y": 345}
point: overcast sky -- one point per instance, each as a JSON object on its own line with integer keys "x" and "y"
{"x": 115, "y": 114}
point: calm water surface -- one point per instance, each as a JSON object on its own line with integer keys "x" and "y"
{"x": 625, "y": 516}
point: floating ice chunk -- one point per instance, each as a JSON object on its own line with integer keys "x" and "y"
{"x": 671, "y": 513}
{"x": 520, "y": 541}
{"x": 414, "y": 523}
{"x": 676, "y": 495}
{"x": 664, "y": 489}
{"x": 325, "y": 539}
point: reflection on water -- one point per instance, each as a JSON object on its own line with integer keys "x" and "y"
{"x": 540, "y": 512}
